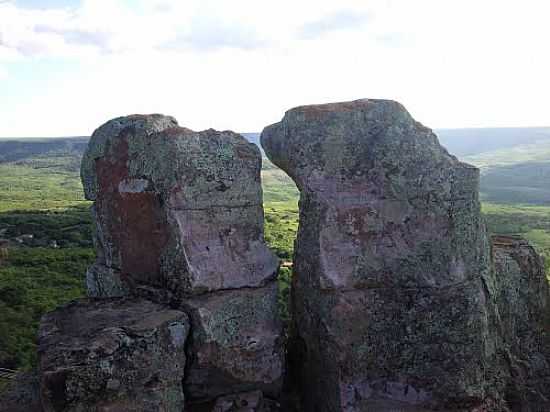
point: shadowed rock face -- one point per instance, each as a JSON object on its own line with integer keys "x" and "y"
{"x": 173, "y": 207}
{"x": 22, "y": 394}
{"x": 391, "y": 262}
{"x": 524, "y": 311}
{"x": 113, "y": 355}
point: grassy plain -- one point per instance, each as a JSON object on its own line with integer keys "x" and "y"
{"x": 518, "y": 174}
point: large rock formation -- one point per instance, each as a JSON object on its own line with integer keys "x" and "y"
{"x": 174, "y": 209}
{"x": 393, "y": 294}
{"x": 398, "y": 300}
{"x": 179, "y": 222}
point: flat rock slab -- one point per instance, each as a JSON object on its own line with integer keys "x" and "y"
{"x": 112, "y": 355}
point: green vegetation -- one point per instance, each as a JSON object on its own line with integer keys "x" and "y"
{"x": 69, "y": 227}
{"x": 277, "y": 186}
{"x": 23, "y": 187}
{"x": 33, "y": 282}
{"x": 528, "y": 221}
{"x": 524, "y": 153}
{"x": 281, "y": 225}
{"x": 47, "y": 221}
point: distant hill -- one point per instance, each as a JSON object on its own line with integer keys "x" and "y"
{"x": 63, "y": 153}
{"x": 514, "y": 162}
{"x": 467, "y": 142}
{"x": 519, "y": 174}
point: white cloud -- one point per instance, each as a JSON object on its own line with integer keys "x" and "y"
{"x": 340, "y": 20}
{"x": 240, "y": 64}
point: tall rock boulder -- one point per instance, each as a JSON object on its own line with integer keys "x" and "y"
{"x": 179, "y": 220}
{"x": 524, "y": 313}
{"x": 174, "y": 209}
{"x": 391, "y": 287}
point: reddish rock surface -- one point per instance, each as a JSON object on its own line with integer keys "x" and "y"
{"x": 179, "y": 220}
{"x": 173, "y": 207}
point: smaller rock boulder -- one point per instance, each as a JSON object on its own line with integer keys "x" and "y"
{"x": 523, "y": 307}
{"x": 112, "y": 355}
{"x": 235, "y": 345}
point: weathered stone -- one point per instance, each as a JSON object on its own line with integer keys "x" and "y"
{"x": 103, "y": 281}
{"x": 22, "y": 394}
{"x": 235, "y": 345}
{"x": 524, "y": 314}
{"x": 174, "y": 208}
{"x": 391, "y": 268}
{"x": 113, "y": 355}
{"x": 179, "y": 221}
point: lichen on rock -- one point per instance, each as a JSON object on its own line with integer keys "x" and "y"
{"x": 394, "y": 297}
{"x": 116, "y": 354}
{"x": 178, "y": 230}
{"x": 173, "y": 207}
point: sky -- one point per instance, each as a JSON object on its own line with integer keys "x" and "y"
{"x": 68, "y": 66}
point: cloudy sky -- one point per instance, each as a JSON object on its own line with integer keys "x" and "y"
{"x": 66, "y": 66}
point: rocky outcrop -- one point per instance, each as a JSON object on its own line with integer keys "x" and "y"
{"x": 113, "y": 355}
{"x": 524, "y": 317}
{"x": 174, "y": 209}
{"x": 390, "y": 298}
{"x": 180, "y": 212}
{"x": 179, "y": 236}
{"x": 399, "y": 302}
